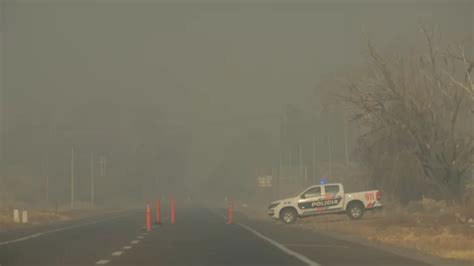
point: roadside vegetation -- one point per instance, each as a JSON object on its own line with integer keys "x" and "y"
{"x": 412, "y": 117}
{"x": 43, "y": 216}
{"x": 416, "y": 109}
{"x": 427, "y": 225}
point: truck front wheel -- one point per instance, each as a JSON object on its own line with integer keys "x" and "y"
{"x": 355, "y": 210}
{"x": 288, "y": 216}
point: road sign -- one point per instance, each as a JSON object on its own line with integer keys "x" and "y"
{"x": 264, "y": 181}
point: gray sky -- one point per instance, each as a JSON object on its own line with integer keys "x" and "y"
{"x": 204, "y": 62}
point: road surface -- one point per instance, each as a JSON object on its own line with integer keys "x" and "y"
{"x": 200, "y": 236}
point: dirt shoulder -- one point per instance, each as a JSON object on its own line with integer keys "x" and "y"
{"x": 445, "y": 234}
{"x": 44, "y": 217}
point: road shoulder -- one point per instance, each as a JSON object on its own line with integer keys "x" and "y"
{"x": 408, "y": 253}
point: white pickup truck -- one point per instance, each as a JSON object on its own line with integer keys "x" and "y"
{"x": 325, "y": 199}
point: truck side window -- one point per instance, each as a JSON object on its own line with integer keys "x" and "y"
{"x": 314, "y": 192}
{"x": 331, "y": 189}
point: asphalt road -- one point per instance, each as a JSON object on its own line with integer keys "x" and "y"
{"x": 200, "y": 236}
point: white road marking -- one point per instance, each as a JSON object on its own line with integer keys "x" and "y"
{"x": 281, "y": 247}
{"x": 102, "y": 262}
{"x": 57, "y": 230}
{"x": 314, "y": 245}
{"x": 135, "y": 242}
{"x": 117, "y": 253}
{"x": 127, "y": 247}
{"x": 140, "y": 237}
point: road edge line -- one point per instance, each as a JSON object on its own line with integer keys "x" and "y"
{"x": 65, "y": 228}
{"x": 280, "y": 246}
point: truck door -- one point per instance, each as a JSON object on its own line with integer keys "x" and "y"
{"x": 333, "y": 197}
{"x": 310, "y": 200}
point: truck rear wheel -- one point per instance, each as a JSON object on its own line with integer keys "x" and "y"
{"x": 288, "y": 216}
{"x": 355, "y": 210}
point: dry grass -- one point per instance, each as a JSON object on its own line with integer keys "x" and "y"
{"x": 34, "y": 217}
{"x": 433, "y": 230}
{"x": 428, "y": 226}
{"x": 442, "y": 242}
{"x": 44, "y": 216}
{"x": 4, "y": 219}
{"x": 38, "y": 217}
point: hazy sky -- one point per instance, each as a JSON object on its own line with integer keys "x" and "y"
{"x": 202, "y": 62}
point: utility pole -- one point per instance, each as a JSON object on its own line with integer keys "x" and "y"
{"x": 101, "y": 170}
{"x": 46, "y": 166}
{"x": 273, "y": 177}
{"x": 314, "y": 160}
{"x": 306, "y": 175}
{"x": 92, "y": 180}
{"x": 470, "y": 53}
{"x": 346, "y": 152}
{"x": 101, "y": 164}
{"x": 301, "y": 165}
{"x": 104, "y": 166}
{"x": 280, "y": 159}
{"x": 279, "y": 173}
{"x": 3, "y": 84}
{"x": 289, "y": 167}
{"x": 329, "y": 144}
{"x": 72, "y": 178}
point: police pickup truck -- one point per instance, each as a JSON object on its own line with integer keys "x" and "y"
{"x": 325, "y": 199}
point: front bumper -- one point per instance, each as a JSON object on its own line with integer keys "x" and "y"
{"x": 271, "y": 212}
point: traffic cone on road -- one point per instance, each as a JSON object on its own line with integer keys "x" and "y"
{"x": 148, "y": 217}
{"x": 172, "y": 207}
{"x": 158, "y": 212}
{"x": 229, "y": 212}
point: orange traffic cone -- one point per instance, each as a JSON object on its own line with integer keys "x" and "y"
{"x": 158, "y": 212}
{"x": 172, "y": 206}
{"x": 148, "y": 217}
{"x": 229, "y": 213}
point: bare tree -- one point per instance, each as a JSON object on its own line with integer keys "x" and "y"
{"x": 424, "y": 101}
